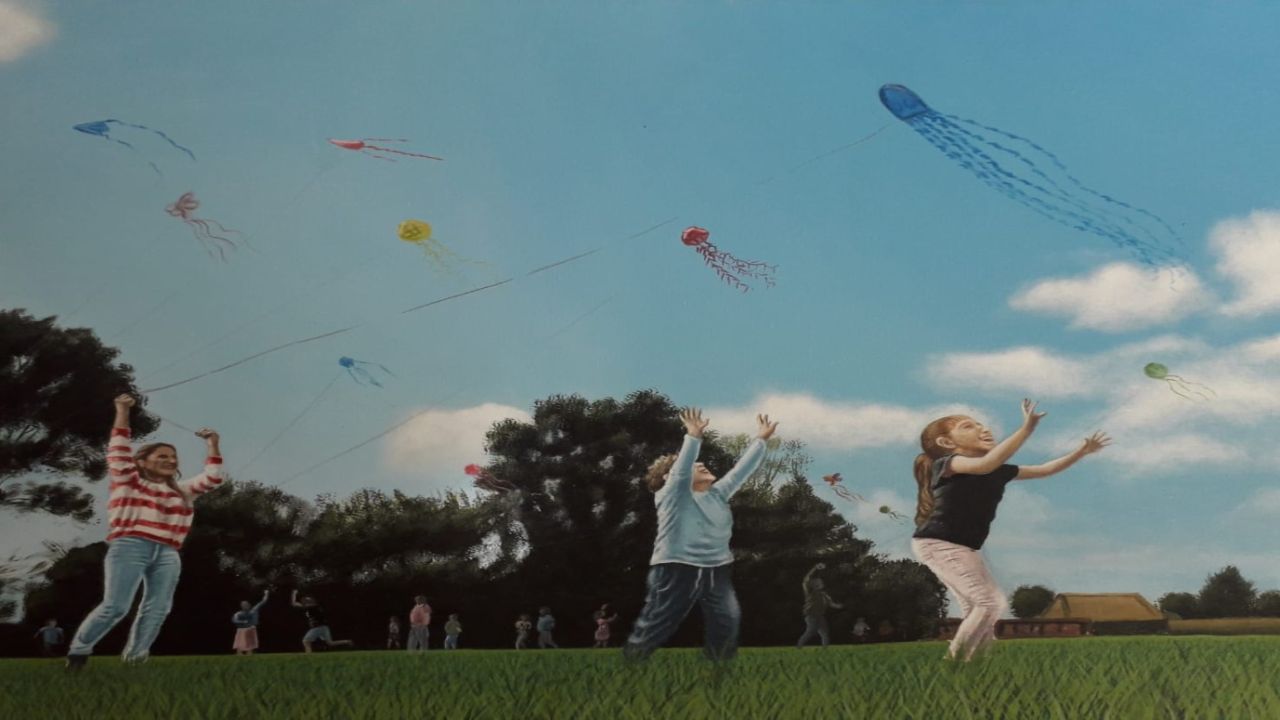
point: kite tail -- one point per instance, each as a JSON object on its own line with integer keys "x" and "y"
{"x": 1103, "y": 214}
{"x": 402, "y": 152}
{"x": 1061, "y": 166}
{"x": 158, "y": 132}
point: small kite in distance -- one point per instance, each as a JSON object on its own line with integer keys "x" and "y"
{"x": 1180, "y": 386}
{"x": 356, "y": 369}
{"x": 366, "y": 147}
{"x": 730, "y": 269}
{"x": 486, "y": 481}
{"x": 184, "y": 208}
{"x": 102, "y": 129}
{"x": 834, "y": 480}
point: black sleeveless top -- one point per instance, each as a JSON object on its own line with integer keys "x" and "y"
{"x": 964, "y": 505}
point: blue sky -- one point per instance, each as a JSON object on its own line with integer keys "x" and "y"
{"x": 905, "y": 286}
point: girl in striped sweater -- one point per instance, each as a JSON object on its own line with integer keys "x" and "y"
{"x": 149, "y": 514}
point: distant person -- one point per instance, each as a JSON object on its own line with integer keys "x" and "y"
{"x": 149, "y": 513}
{"x": 860, "y": 629}
{"x": 393, "y": 633}
{"x": 523, "y": 626}
{"x": 603, "y": 622}
{"x": 246, "y": 622}
{"x": 51, "y": 637}
{"x": 546, "y": 623}
{"x": 961, "y": 474}
{"x": 452, "y": 629}
{"x": 816, "y": 603}
{"x": 419, "y": 625}
{"x": 318, "y": 626}
{"x": 691, "y": 562}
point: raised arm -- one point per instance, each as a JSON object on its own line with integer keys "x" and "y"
{"x": 1001, "y": 453}
{"x": 809, "y": 575}
{"x": 261, "y": 602}
{"x": 750, "y": 460}
{"x": 119, "y": 452}
{"x": 211, "y": 478}
{"x": 681, "y": 477}
{"x": 293, "y": 599}
{"x": 1091, "y": 444}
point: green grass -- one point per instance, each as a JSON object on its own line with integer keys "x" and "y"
{"x": 1123, "y": 678}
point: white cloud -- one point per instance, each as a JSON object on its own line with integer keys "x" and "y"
{"x": 1117, "y": 297}
{"x": 828, "y": 425}
{"x": 1168, "y": 452}
{"x": 1263, "y": 505}
{"x": 1029, "y": 370}
{"x": 1249, "y": 255}
{"x": 442, "y": 442}
{"x": 22, "y": 30}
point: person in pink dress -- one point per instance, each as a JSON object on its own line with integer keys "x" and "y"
{"x": 246, "y": 622}
{"x": 603, "y": 621}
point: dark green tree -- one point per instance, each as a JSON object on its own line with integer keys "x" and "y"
{"x": 57, "y": 385}
{"x": 1227, "y": 594}
{"x": 1029, "y": 601}
{"x": 1267, "y": 604}
{"x": 1184, "y": 605}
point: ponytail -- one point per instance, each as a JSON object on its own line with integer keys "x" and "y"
{"x": 924, "y": 483}
{"x": 923, "y": 466}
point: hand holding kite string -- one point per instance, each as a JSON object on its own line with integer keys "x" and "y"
{"x": 1179, "y": 386}
{"x": 729, "y": 268}
{"x": 364, "y": 146}
{"x": 184, "y": 208}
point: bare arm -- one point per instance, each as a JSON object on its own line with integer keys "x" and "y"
{"x": 1001, "y": 453}
{"x": 809, "y": 575}
{"x": 293, "y": 599}
{"x": 1091, "y": 445}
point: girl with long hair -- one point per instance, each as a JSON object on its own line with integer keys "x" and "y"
{"x": 150, "y": 512}
{"x": 961, "y": 474}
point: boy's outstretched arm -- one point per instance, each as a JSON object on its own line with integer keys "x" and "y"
{"x": 1092, "y": 444}
{"x": 809, "y": 575}
{"x": 750, "y": 460}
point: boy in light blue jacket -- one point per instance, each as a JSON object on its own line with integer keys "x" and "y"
{"x": 691, "y": 560}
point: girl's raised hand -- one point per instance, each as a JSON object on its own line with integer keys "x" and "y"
{"x": 125, "y": 401}
{"x": 766, "y": 428}
{"x": 693, "y": 422}
{"x": 1030, "y": 418}
{"x": 1094, "y": 443}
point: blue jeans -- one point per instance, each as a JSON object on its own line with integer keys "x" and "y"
{"x": 450, "y": 642}
{"x": 132, "y": 561}
{"x": 673, "y": 589}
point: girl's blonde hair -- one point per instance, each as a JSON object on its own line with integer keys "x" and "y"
{"x": 172, "y": 481}
{"x": 923, "y": 467}
{"x": 656, "y": 477}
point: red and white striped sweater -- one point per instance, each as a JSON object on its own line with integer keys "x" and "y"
{"x": 146, "y": 509}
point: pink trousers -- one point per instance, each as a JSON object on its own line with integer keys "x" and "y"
{"x": 965, "y": 574}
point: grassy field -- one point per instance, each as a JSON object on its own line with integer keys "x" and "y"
{"x": 1128, "y": 678}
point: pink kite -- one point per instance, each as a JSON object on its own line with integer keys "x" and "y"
{"x": 486, "y": 481}
{"x": 727, "y": 267}
{"x": 183, "y": 208}
{"x": 363, "y": 146}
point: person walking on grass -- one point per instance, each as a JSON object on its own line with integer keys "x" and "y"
{"x": 317, "y": 626}
{"x": 419, "y": 625}
{"x": 523, "y": 626}
{"x": 603, "y": 622}
{"x": 961, "y": 475}
{"x": 149, "y": 512}
{"x": 246, "y": 622}
{"x": 546, "y": 624}
{"x": 50, "y": 638}
{"x": 816, "y": 602}
{"x": 691, "y": 560}
{"x": 452, "y": 629}
{"x": 393, "y": 633}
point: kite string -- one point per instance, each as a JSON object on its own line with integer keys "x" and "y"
{"x": 296, "y": 418}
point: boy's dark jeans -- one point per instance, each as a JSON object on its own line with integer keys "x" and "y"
{"x": 673, "y": 589}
